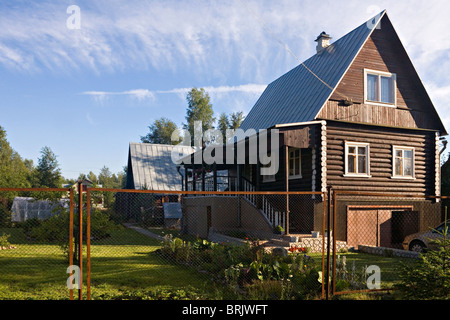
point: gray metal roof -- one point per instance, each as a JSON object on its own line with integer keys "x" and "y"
{"x": 152, "y": 166}
{"x": 298, "y": 96}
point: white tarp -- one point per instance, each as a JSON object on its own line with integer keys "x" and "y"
{"x": 24, "y": 208}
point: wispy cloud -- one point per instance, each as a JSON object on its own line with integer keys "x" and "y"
{"x": 142, "y": 94}
{"x": 208, "y": 39}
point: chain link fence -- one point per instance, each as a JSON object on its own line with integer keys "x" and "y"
{"x": 142, "y": 244}
{"x": 384, "y": 236}
{"x": 230, "y": 245}
{"x": 34, "y": 238}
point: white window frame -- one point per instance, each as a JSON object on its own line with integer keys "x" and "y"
{"x": 403, "y": 148}
{"x": 299, "y": 163}
{"x": 379, "y": 74}
{"x": 356, "y": 145}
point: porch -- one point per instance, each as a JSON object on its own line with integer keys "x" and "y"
{"x": 237, "y": 170}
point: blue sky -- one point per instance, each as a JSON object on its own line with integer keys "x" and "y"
{"x": 86, "y": 93}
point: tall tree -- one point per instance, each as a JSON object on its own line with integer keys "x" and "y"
{"x": 199, "y": 109}
{"x": 223, "y": 124}
{"x": 233, "y": 121}
{"x": 160, "y": 132}
{"x": 236, "y": 119}
{"x": 105, "y": 178}
{"x": 14, "y": 172}
{"x": 92, "y": 177}
{"x": 47, "y": 172}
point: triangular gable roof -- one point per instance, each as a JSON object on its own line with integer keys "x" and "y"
{"x": 152, "y": 167}
{"x": 298, "y": 96}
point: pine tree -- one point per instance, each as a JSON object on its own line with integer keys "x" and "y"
{"x": 47, "y": 172}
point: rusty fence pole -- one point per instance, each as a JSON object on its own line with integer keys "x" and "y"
{"x": 71, "y": 235}
{"x": 88, "y": 244}
{"x": 80, "y": 232}
{"x": 324, "y": 216}
{"x": 333, "y": 234}
{"x": 286, "y": 155}
{"x": 327, "y": 276}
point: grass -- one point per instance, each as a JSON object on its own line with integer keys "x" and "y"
{"x": 388, "y": 265}
{"x": 124, "y": 262}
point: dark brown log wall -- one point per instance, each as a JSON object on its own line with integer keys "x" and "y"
{"x": 381, "y": 141}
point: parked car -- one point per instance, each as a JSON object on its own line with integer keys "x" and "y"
{"x": 421, "y": 241}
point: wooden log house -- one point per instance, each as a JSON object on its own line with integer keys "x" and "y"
{"x": 355, "y": 116}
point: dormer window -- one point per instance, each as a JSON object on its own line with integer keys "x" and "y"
{"x": 380, "y": 87}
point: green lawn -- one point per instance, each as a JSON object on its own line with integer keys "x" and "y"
{"x": 124, "y": 262}
{"x": 389, "y": 266}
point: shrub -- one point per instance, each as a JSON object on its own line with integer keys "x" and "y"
{"x": 155, "y": 294}
{"x": 5, "y": 215}
{"x": 28, "y": 225}
{"x": 429, "y": 277}
{"x": 248, "y": 271}
{"x": 4, "y": 240}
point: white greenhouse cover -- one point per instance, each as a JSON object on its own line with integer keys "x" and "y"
{"x": 24, "y": 208}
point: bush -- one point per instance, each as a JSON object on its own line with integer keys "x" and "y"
{"x": 429, "y": 277}
{"x": 28, "y": 225}
{"x": 155, "y": 294}
{"x": 4, "y": 240}
{"x": 5, "y": 215}
{"x": 248, "y": 271}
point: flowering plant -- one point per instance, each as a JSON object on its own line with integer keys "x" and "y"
{"x": 298, "y": 249}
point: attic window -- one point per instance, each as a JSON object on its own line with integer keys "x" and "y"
{"x": 379, "y": 87}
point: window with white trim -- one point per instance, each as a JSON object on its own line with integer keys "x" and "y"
{"x": 402, "y": 162}
{"x": 357, "y": 159}
{"x": 295, "y": 163}
{"x": 379, "y": 87}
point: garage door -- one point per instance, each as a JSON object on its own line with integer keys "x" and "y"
{"x": 371, "y": 225}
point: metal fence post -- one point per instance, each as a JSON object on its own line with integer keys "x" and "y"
{"x": 80, "y": 246}
{"x": 71, "y": 234}
{"x": 88, "y": 243}
{"x": 327, "y": 276}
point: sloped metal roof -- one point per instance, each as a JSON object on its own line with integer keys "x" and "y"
{"x": 298, "y": 96}
{"x": 152, "y": 166}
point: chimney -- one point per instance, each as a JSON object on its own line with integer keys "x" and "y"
{"x": 323, "y": 41}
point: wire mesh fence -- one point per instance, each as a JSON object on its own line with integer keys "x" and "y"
{"x": 384, "y": 235}
{"x": 230, "y": 245}
{"x": 143, "y": 244}
{"x": 34, "y": 237}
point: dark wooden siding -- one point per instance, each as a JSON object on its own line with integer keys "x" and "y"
{"x": 381, "y": 141}
{"x": 373, "y": 114}
{"x": 383, "y": 51}
{"x": 305, "y": 182}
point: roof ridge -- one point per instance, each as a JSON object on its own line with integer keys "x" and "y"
{"x": 295, "y": 95}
